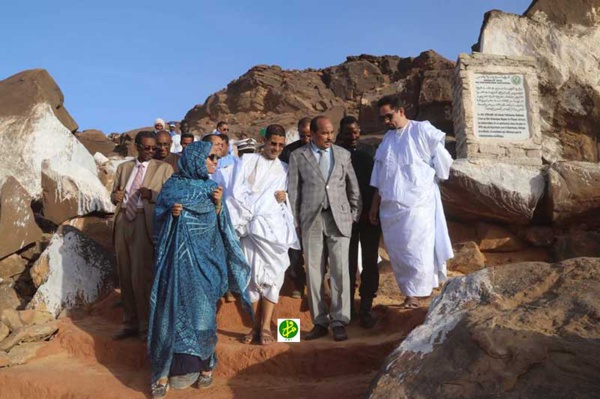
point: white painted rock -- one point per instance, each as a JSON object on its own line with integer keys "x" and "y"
{"x": 526, "y": 330}
{"x": 564, "y": 38}
{"x": 35, "y": 135}
{"x": 492, "y": 191}
{"x": 79, "y": 271}
{"x": 71, "y": 190}
{"x": 17, "y": 223}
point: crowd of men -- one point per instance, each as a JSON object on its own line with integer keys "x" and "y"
{"x": 302, "y": 210}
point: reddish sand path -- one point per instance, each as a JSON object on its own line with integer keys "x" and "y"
{"x": 83, "y": 362}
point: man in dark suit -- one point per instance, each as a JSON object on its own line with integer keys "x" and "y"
{"x": 296, "y": 269}
{"x": 136, "y": 187}
{"x": 363, "y": 231}
{"x": 325, "y": 199}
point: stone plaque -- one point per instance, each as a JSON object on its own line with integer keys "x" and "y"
{"x": 500, "y": 105}
{"x": 496, "y": 109}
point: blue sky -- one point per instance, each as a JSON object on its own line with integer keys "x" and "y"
{"x": 120, "y": 64}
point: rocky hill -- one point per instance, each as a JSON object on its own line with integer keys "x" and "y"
{"x": 270, "y": 94}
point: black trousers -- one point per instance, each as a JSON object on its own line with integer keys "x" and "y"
{"x": 368, "y": 236}
{"x": 296, "y": 271}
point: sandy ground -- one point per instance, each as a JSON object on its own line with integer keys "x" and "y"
{"x": 82, "y": 361}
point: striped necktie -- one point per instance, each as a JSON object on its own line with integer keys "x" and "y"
{"x": 134, "y": 193}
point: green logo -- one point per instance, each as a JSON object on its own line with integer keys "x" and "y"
{"x": 288, "y": 329}
{"x": 515, "y": 80}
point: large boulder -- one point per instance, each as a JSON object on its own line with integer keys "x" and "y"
{"x": 73, "y": 271}
{"x": 71, "y": 190}
{"x": 574, "y": 192}
{"x": 35, "y": 134}
{"x": 96, "y": 141}
{"x": 563, "y": 37}
{"x": 17, "y": 222}
{"x": 492, "y": 191}
{"x": 526, "y": 330}
{"x": 34, "y": 86}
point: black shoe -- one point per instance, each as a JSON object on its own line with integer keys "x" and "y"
{"x": 125, "y": 333}
{"x": 339, "y": 333}
{"x": 367, "y": 320}
{"x": 317, "y": 332}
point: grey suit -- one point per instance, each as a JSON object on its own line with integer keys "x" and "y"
{"x": 325, "y": 232}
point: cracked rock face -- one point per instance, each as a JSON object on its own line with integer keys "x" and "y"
{"x": 527, "y": 330}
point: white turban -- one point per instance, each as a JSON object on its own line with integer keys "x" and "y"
{"x": 159, "y": 121}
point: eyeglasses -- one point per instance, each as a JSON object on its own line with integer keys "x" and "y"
{"x": 385, "y": 117}
{"x": 148, "y": 148}
{"x": 226, "y": 129}
{"x": 213, "y": 157}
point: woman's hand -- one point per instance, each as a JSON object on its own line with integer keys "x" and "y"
{"x": 176, "y": 210}
{"x": 280, "y": 196}
{"x": 218, "y": 195}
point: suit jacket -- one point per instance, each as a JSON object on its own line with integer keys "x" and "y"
{"x": 307, "y": 189}
{"x": 157, "y": 174}
{"x": 288, "y": 149}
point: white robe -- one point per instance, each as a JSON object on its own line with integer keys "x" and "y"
{"x": 266, "y": 227}
{"x": 408, "y": 164}
{"x": 224, "y": 177}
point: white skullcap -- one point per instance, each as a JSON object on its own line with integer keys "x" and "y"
{"x": 158, "y": 120}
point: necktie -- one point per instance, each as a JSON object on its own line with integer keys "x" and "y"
{"x": 134, "y": 193}
{"x": 324, "y": 166}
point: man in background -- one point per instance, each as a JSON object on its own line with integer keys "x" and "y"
{"x": 163, "y": 152}
{"x": 362, "y": 231}
{"x": 296, "y": 271}
{"x": 176, "y": 139}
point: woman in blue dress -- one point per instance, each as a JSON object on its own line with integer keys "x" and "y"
{"x": 198, "y": 258}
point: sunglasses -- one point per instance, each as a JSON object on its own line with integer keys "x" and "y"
{"x": 385, "y": 117}
{"x": 213, "y": 157}
{"x": 226, "y": 130}
{"x": 148, "y": 148}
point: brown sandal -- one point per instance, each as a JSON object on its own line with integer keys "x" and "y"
{"x": 251, "y": 337}
{"x": 266, "y": 338}
{"x": 412, "y": 303}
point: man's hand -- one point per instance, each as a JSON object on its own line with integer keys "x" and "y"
{"x": 374, "y": 215}
{"x": 118, "y": 195}
{"x": 145, "y": 193}
{"x": 218, "y": 195}
{"x": 280, "y": 196}
{"x": 176, "y": 210}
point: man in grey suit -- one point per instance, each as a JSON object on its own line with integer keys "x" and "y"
{"x": 325, "y": 199}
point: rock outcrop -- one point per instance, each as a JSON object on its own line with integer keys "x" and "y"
{"x": 96, "y": 141}
{"x": 562, "y": 36}
{"x": 70, "y": 190}
{"x": 17, "y": 222}
{"x": 269, "y": 94}
{"x": 526, "y": 330}
{"x": 73, "y": 271}
{"x": 35, "y": 135}
{"x": 574, "y": 193}
{"x": 491, "y": 191}
{"x": 19, "y": 92}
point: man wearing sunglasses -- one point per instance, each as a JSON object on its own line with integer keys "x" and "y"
{"x": 136, "y": 187}
{"x": 163, "y": 151}
{"x": 408, "y": 164}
